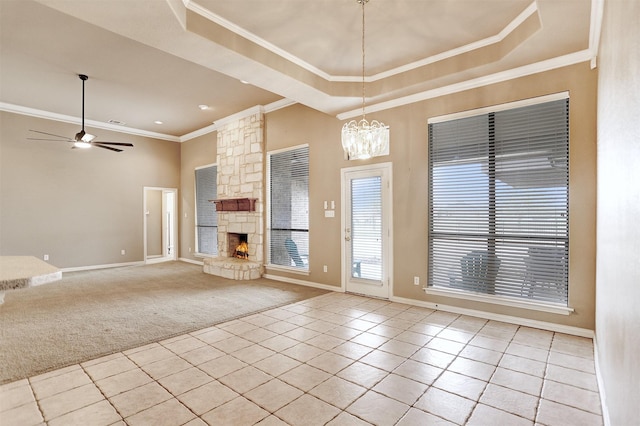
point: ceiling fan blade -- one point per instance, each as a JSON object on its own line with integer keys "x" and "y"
{"x": 51, "y": 134}
{"x": 52, "y": 140}
{"x": 115, "y": 143}
{"x": 99, "y": 145}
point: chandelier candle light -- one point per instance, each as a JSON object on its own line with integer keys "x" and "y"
{"x": 361, "y": 139}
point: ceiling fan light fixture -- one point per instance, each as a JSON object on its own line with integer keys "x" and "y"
{"x": 363, "y": 139}
{"x": 81, "y": 144}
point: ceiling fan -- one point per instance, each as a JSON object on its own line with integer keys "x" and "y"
{"x": 82, "y": 139}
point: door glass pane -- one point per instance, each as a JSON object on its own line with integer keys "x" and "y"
{"x": 366, "y": 228}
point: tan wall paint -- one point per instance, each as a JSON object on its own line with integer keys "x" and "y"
{"x": 196, "y": 152}
{"x": 80, "y": 207}
{"x": 297, "y": 125}
{"x": 618, "y": 265}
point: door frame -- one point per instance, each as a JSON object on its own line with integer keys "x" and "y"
{"x": 386, "y": 170}
{"x": 173, "y": 224}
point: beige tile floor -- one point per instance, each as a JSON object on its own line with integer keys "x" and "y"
{"x": 336, "y": 359}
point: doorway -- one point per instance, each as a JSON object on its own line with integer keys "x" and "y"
{"x": 366, "y": 230}
{"x": 160, "y": 224}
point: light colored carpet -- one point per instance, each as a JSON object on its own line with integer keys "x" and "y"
{"x": 94, "y": 313}
{"x": 25, "y": 271}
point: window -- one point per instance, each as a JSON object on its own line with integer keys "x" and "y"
{"x": 288, "y": 208}
{"x": 498, "y": 203}
{"x": 206, "y": 216}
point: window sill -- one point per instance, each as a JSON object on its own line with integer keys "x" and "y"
{"x": 289, "y": 269}
{"x": 553, "y": 308}
{"x": 204, "y": 255}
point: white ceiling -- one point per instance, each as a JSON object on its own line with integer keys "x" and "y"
{"x": 153, "y": 60}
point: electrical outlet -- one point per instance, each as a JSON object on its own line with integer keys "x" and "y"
{"x": 324, "y": 268}
{"x": 416, "y": 280}
{"x": 123, "y": 252}
{"x": 46, "y": 257}
{"x": 189, "y": 249}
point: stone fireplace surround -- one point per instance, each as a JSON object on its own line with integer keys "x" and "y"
{"x": 240, "y": 159}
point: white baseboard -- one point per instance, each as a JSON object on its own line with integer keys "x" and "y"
{"x": 601, "y": 389}
{"x": 543, "y": 325}
{"x": 110, "y": 265}
{"x": 302, "y": 282}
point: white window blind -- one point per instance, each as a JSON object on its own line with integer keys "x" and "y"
{"x": 289, "y": 208}
{"x": 206, "y": 216}
{"x": 498, "y": 203}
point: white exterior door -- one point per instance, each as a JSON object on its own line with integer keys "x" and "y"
{"x": 366, "y": 230}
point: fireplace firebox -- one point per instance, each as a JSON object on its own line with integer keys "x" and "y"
{"x": 237, "y": 245}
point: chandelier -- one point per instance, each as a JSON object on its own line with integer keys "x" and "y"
{"x": 363, "y": 139}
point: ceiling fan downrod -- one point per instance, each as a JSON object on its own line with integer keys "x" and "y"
{"x": 82, "y": 139}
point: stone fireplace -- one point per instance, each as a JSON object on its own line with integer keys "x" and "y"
{"x": 239, "y": 203}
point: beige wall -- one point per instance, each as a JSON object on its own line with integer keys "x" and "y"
{"x": 297, "y": 125}
{"x": 196, "y": 152}
{"x": 618, "y": 265}
{"x": 81, "y": 207}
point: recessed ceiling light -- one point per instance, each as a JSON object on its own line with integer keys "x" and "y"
{"x": 158, "y": 122}
{"x": 244, "y": 82}
{"x": 203, "y": 107}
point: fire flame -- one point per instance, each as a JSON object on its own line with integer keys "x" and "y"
{"x": 242, "y": 251}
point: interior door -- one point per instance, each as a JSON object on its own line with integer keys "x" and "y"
{"x": 366, "y": 230}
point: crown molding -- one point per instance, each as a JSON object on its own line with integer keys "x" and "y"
{"x": 274, "y": 106}
{"x": 511, "y": 26}
{"x": 32, "y": 112}
{"x": 530, "y": 10}
{"x": 523, "y": 71}
{"x": 206, "y": 13}
{"x": 595, "y": 29}
{"x": 17, "y": 109}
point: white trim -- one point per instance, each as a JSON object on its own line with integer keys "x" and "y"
{"x": 510, "y": 27}
{"x": 601, "y": 388}
{"x": 289, "y": 148}
{"x": 206, "y": 13}
{"x": 195, "y": 212}
{"x": 200, "y": 132}
{"x": 543, "y": 325}
{"x": 500, "y": 300}
{"x": 144, "y": 222}
{"x": 385, "y": 171}
{"x": 595, "y": 29}
{"x": 257, "y": 109}
{"x": 500, "y": 107}
{"x": 17, "y": 109}
{"x": 288, "y": 269}
{"x": 110, "y": 265}
{"x": 530, "y": 10}
{"x": 282, "y": 103}
{"x": 302, "y": 282}
{"x": 195, "y": 262}
{"x": 499, "y": 77}
{"x": 204, "y": 166}
{"x": 267, "y": 204}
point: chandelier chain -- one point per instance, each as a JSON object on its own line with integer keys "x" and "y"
{"x": 363, "y": 139}
{"x": 362, "y": 2}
